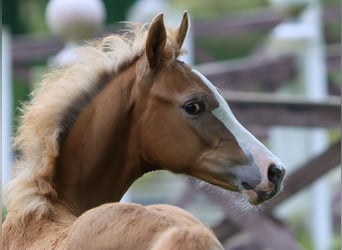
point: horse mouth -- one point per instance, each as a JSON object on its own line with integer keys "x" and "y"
{"x": 257, "y": 197}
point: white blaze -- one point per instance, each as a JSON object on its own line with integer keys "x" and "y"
{"x": 224, "y": 114}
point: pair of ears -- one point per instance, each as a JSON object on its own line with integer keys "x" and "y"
{"x": 157, "y": 37}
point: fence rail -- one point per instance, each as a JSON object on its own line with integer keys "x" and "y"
{"x": 270, "y": 110}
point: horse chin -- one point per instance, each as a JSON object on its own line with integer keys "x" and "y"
{"x": 251, "y": 196}
{"x": 257, "y": 197}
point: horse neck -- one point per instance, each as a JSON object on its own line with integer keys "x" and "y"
{"x": 99, "y": 159}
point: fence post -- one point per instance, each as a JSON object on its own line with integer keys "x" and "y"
{"x": 315, "y": 80}
{"x": 6, "y": 104}
{"x": 302, "y": 36}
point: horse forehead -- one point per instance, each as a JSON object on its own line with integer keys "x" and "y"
{"x": 211, "y": 88}
{"x": 222, "y": 112}
{"x": 185, "y": 76}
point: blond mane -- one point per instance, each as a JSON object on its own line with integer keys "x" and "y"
{"x": 31, "y": 194}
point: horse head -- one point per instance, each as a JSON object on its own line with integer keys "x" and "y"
{"x": 185, "y": 125}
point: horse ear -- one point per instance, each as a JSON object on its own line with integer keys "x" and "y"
{"x": 155, "y": 42}
{"x": 183, "y": 29}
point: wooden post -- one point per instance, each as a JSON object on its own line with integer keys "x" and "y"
{"x": 6, "y": 103}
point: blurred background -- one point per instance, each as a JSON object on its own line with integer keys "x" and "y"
{"x": 277, "y": 62}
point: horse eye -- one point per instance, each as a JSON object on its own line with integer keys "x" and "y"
{"x": 194, "y": 108}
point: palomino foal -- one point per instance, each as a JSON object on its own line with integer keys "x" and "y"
{"x": 126, "y": 108}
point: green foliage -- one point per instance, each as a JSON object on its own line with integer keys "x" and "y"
{"x": 336, "y": 78}
{"x": 330, "y": 2}
{"x": 4, "y": 213}
{"x": 116, "y": 10}
{"x": 28, "y": 16}
{"x": 299, "y": 224}
{"x": 336, "y": 244}
{"x": 10, "y": 16}
{"x": 20, "y": 94}
{"x": 206, "y": 9}
{"x": 225, "y": 48}
{"x": 332, "y": 32}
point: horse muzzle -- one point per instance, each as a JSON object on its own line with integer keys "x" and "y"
{"x": 267, "y": 188}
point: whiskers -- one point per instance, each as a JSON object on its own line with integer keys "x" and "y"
{"x": 241, "y": 204}
{"x": 225, "y": 199}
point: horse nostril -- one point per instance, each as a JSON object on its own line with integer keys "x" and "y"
{"x": 275, "y": 174}
{"x": 246, "y": 186}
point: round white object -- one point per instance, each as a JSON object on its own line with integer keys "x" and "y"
{"x": 75, "y": 19}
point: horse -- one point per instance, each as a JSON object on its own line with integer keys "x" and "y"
{"x": 126, "y": 107}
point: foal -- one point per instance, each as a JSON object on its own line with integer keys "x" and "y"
{"x": 128, "y": 107}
